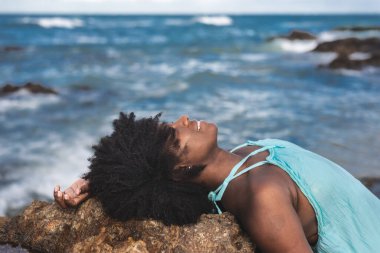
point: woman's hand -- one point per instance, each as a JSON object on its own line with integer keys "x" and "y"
{"x": 72, "y": 196}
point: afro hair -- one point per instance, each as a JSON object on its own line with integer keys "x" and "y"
{"x": 131, "y": 174}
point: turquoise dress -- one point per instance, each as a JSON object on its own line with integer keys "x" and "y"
{"x": 348, "y": 214}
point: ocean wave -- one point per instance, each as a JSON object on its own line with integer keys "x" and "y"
{"x": 214, "y": 20}
{"x": 253, "y": 57}
{"x": 24, "y": 100}
{"x": 177, "y": 22}
{"x": 296, "y": 46}
{"x": 154, "y": 90}
{"x": 85, "y": 39}
{"x": 55, "y": 22}
{"x": 193, "y": 66}
{"x": 119, "y": 23}
{"x": 65, "y": 162}
{"x": 336, "y": 35}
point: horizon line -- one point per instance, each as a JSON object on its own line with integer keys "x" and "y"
{"x": 187, "y": 13}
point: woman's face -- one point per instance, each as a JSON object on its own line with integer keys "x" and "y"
{"x": 197, "y": 140}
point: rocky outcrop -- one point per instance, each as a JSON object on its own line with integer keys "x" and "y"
{"x": 295, "y": 35}
{"x": 350, "y": 45}
{"x": 373, "y": 184}
{"x": 11, "y": 48}
{"x": 344, "y": 61}
{"x": 44, "y": 227}
{"x": 31, "y": 87}
{"x": 346, "y": 47}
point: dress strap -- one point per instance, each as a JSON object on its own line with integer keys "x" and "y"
{"x": 238, "y": 147}
{"x": 218, "y": 193}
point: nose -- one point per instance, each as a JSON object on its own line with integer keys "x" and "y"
{"x": 181, "y": 121}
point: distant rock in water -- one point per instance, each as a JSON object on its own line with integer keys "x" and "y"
{"x": 344, "y": 61}
{"x": 31, "y": 87}
{"x": 358, "y": 28}
{"x": 44, "y": 227}
{"x": 350, "y": 45}
{"x": 373, "y": 184}
{"x": 295, "y": 35}
{"x": 345, "y": 48}
{"x": 11, "y": 48}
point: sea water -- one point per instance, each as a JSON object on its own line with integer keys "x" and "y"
{"x": 216, "y": 68}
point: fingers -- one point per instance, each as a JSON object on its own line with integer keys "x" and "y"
{"x": 83, "y": 186}
{"x": 58, "y": 197}
{"x": 72, "y": 196}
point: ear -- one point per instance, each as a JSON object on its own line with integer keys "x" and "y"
{"x": 180, "y": 172}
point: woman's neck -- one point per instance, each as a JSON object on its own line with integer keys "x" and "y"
{"x": 218, "y": 168}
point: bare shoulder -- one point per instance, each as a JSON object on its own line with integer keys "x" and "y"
{"x": 270, "y": 178}
{"x": 270, "y": 217}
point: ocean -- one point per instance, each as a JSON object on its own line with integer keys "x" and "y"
{"x": 219, "y": 68}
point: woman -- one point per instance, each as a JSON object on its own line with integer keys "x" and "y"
{"x": 286, "y": 198}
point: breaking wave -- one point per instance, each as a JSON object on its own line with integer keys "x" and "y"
{"x": 56, "y": 22}
{"x": 215, "y": 20}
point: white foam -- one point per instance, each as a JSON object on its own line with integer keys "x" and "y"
{"x": 84, "y": 39}
{"x": 254, "y": 57}
{"x": 336, "y": 35}
{"x": 158, "y": 39}
{"x": 323, "y": 58}
{"x": 194, "y": 65}
{"x": 68, "y": 23}
{"x": 66, "y": 161}
{"x": 24, "y": 100}
{"x": 359, "y": 56}
{"x": 296, "y": 46}
{"x": 155, "y": 90}
{"x": 214, "y": 20}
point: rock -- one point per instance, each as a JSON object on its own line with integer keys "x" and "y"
{"x": 350, "y": 45}
{"x": 31, "y": 87}
{"x": 11, "y": 48}
{"x": 44, "y": 227}
{"x": 372, "y": 183}
{"x": 295, "y": 35}
{"x": 358, "y": 28}
{"x": 344, "y": 61}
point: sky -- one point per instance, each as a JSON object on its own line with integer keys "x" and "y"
{"x": 189, "y": 6}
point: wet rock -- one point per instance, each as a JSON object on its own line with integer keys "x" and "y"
{"x": 373, "y": 184}
{"x": 31, "y": 87}
{"x": 358, "y": 28}
{"x": 44, "y": 227}
{"x": 295, "y": 35}
{"x": 11, "y": 48}
{"x": 343, "y": 61}
{"x": 350, "y": 45}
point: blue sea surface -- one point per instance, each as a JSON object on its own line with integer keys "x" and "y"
{"x": 216, "y": 68}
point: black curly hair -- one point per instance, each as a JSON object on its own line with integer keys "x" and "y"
{"x": 131, "y": 173}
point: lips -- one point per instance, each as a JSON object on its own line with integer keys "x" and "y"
{"x": 196, "y": 125}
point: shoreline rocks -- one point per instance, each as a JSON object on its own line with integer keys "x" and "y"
{"x": 31, "y": 87}
{"x": 357, "y": 28}
{"x": 344, "y": 61}
{"x": 350, "y": 45}
{"x": 44, "y": 227}
{"x": 343, "y": 47}
{"x": 295, "y": 35}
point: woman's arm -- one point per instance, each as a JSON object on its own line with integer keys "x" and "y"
{"x": 73, "y": 195}
{"x": 273, "y": 223}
